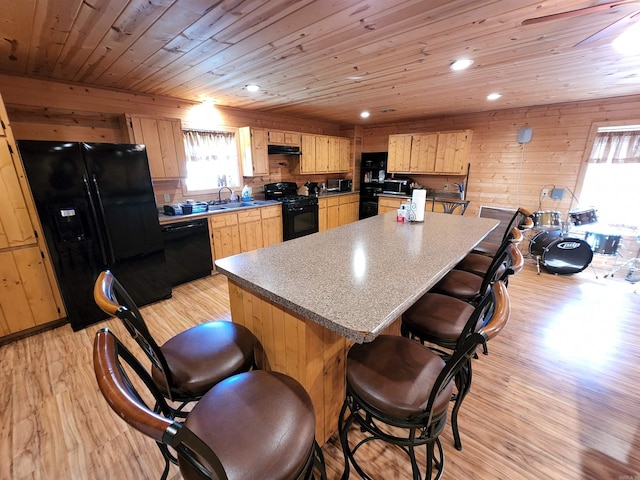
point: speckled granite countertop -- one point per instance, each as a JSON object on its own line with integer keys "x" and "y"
{"x": 359, "y": 278}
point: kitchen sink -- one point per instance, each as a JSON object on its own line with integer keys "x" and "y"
{"x": 229, "y": 206}
{"x": 213, "y": 208}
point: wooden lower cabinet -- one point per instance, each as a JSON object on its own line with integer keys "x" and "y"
{"x": 387, "y": 204}
{"x": 237, "y": 232}
{"x": 224, "y": 234}
{"x": 338, "y": 210}
{"x": 271, "y": 225}
{"x": 26, "y": 297}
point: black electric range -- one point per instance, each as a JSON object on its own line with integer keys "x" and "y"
{"x": 299, "y": 212}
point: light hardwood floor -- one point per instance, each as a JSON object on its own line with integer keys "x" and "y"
{"x": 556, "y": 398}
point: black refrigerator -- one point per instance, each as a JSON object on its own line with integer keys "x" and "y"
{"x": 373, "y": 171}
{"x": 98, "y": 211}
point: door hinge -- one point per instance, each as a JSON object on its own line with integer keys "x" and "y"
{"x": 35, "y": 233}
{"x": 42, "y": 254}
{"x": 10, "y": 149}
{"x": 4, "y": 127}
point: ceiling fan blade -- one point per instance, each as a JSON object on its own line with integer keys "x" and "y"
{"x": 610, "y": 29}
{"x": 576, "y": 13}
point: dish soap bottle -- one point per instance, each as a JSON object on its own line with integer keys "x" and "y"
{"x": 246, "y": 194}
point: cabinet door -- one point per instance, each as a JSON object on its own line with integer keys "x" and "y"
{"x": 423, "y": 153}
{"x": 271, "y": 225}
{"x": 333, "y": 144}
{"x": 26, "y": 295}
{"x": 163, "y": 140}
{"x": 15, "y": 225}
{"x": 308, "y": 157}
{"x": 348, "y": 209}
{"x": 250, "y": 229}
{"x": 453, "y": 152}
{"x": 322, "y": 154}
{"x": 386, "y": 204}
{"x": 225, "y": 234}
{"x": 322, "y": 214}
{"x": 253, "y": 151}
{"x": 399, "y": 159}
{"x": 345, "y": 155}
{"x": 333, "y": 212}
{"x": 174, "y": 159}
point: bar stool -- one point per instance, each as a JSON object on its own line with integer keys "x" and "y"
{"x": 398, "y": 382}
{"x": 251, "y": 426}
{"x": 471, "y": 287}
{"x": 443, "y": 322}
{"x": 191, "y": 362}
{"x": 479, "y": 263}
{"x": 521, "y": 219}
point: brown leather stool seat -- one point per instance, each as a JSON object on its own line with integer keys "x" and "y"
{"x": 372, "y": 373}
{"x": 260, "y": 425}
{"x": 398, "y": 382}
{"x": 438, "y": 316}
{"x": 476, "y": 263}
{"x": 254, "y": 425}
{"x": 204, "y": 355}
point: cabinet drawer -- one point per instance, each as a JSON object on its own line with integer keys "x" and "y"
{"x": 333, "y": 202}
{"x": 252, "y": 215}
{"x": 271, "y": 212}
{"x": 223, "y": 220}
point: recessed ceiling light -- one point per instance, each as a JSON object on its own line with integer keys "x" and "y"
{"x": 494, "y": 96}
{"x": 365, "y": 114}
{"x": 461, "y": 64}
{"x": 252, "y": 87}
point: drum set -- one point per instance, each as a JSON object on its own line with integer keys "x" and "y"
{"x": 562, "y": 254}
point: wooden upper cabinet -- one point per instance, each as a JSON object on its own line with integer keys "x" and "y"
{"x": 345, "y": 154}
{"x": 281, "y": 137}
{"x": 163, "y": 140}
{"x": 399, "y": 157}
{"x": 322, "y": 154}
{"x": 453, "y": 151}
{"x": 253, "y": 151}
{"x": 430, "y": 153}
{"x": 307, "y": 162}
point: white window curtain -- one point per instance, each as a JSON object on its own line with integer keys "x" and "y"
{"x": 616, "y": 147}
{"x": 212, "y": 160}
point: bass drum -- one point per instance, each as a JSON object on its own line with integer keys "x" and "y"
{"x": 538, "y": 243}
{"x": 566, "y": 256}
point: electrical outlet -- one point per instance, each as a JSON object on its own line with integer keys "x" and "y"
{"x": 261, "y": 188}
{"x": 545, "y": 192}
{"x": 167, "y": 197}
{"x": 445, "y": 186}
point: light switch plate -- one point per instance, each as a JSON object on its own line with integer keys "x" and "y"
{"x": 167, "y": 197}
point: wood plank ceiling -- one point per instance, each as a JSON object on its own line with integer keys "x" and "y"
{"x": 322, "y": 59}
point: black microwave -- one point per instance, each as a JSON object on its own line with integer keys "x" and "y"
{"x": 397, "y": 186}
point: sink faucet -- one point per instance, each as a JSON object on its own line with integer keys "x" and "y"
{"x": 220, "y": 191}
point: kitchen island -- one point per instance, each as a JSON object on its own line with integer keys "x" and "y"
{"x": 307, "y": 298}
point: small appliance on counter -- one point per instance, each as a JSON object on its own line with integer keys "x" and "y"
{"x": 397, "y": 186}
{"x": 339, "y": 184}
{"x": 186, "y": 208}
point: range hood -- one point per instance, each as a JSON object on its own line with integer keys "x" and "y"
{"x": 283, "y": 150}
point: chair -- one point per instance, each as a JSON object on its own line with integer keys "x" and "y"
{"x": 450, "y": 206}
{"x": 254, "y": 425}
{"x": 522, "y": 219}
{"x": 190, "y": 363}
{"x": 479, "y": 263}
{"x": 471, "y": 287}
{"x": 396, "y": 382}
{"x": 445, "y": 322}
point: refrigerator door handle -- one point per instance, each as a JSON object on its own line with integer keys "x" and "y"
{"x": 112, "y": 254}
{"x": 103, "y": 251}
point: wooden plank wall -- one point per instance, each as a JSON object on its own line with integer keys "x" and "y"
{"x": 507, "y": 174}
{"x": 47, "y": 110}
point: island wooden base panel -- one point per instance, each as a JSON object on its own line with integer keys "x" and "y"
{"x": 294, "y": 345}
{"x": 544, "y": 404}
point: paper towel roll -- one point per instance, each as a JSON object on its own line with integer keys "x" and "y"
{"x": 418, "y": 201}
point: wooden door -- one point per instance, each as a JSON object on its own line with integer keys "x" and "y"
{"x": 250, "y": 230}
{"x": 225, "y": 234}
{"x": 271, "y": 225}
{"x": 333, "y": 144}
{"x": 322, "y": 154}
{"x": 308, "y": 157}
{"x": 423, "y": 153}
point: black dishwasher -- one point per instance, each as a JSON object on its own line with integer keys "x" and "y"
{"x": 187, "y": 250}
